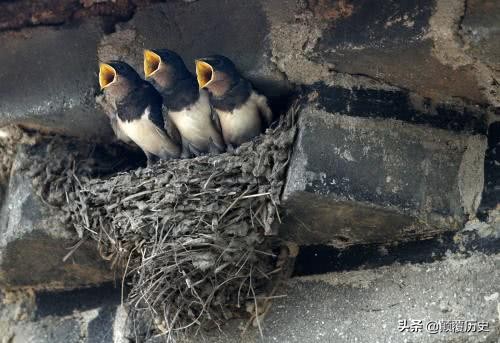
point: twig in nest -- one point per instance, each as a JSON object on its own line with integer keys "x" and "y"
{"x": 73, "y": 249}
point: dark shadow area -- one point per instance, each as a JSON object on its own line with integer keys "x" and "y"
{"x": 320, "y": 259}
{"x": 401, "y": 105}
{"x": 63, "y": 303}
{"x": 117, "y": 157}
{"x": 491, "y": 192}
{"x": 106, "y": 158}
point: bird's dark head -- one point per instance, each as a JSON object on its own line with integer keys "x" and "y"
{"x": 164, "y": 67}
{"x": 216, "y": 73}
{"x": 117, "y": 77}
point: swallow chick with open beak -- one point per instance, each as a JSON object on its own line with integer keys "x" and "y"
{"x": 243, "y": 113}
{"x": 138, "y": 109}
{"x": 187, "y": 106}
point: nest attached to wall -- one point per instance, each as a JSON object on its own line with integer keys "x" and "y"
{"x": 191, "y": 236}
{"x": 10, "y": 137}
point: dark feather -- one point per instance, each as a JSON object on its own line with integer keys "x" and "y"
{"x": 183, "y": 94}
{"x": 170, "y": 127}
{"x": 215, "y": 119}
{"x": 133, "y": 106}
{"x": 234, "y": 98}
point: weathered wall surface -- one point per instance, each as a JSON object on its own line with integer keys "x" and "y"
{"x": 398, "y": 133}
{"x": 48, "y": 79}
{"x": 434, "y": 52}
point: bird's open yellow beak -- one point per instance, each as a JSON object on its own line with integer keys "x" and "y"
{"x": 107, "y": 75}
{"x": 151, "y": 62}
{"x": 204, "y": 73}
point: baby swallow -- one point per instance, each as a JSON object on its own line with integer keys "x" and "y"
{"x": 188, "y": 107}
{"x": 243, "y": 113}
{"x": 138, "y": 109}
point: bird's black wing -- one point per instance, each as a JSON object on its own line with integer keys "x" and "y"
{"x": 136, "y": 103}
{"x": 214, "y": 116}
{"x": 154, "y": 100}
{"x": 170, "y": 127}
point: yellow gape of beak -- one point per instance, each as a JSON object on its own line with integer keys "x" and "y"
{"x": 204, "y": 73}
{"x": 107, "y": 75}
{"x": 151, "y": 62}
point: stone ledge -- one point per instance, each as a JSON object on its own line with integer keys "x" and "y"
{"x": 356, "y": 180}
{"x": 34, "y": 238}
{"x": 49, "y": 77}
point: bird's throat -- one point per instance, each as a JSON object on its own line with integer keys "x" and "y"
{"x": 119, "y": 90}
{"x": 219, "y": 88}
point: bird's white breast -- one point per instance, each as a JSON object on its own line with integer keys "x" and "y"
{"x": 194, "y": 123}
{"x": 146, "y": 134}
{"x": 241, "y": 124}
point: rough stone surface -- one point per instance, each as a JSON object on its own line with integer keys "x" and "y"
{"x": 100, "y": 329}
{"x": 396, "y": 31}
{"x": 18, "y": 14}
{"x": 366, "y": 305}
{"x": 357, "y": 180}
{"x": 34, "y": 239}
{"x": 15, "y": 307}
{"x": 57, "y": 330}
{"x": 79, "y": 316}
{"x": 318, "y": 40}
{"x": 481, "y": 34}
{"x": 49, "y": 77}
{"x": 480, "y": 28}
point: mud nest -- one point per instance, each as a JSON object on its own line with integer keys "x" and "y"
{"x": 10, "y": 138}
{"x": 192, "y": 237}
